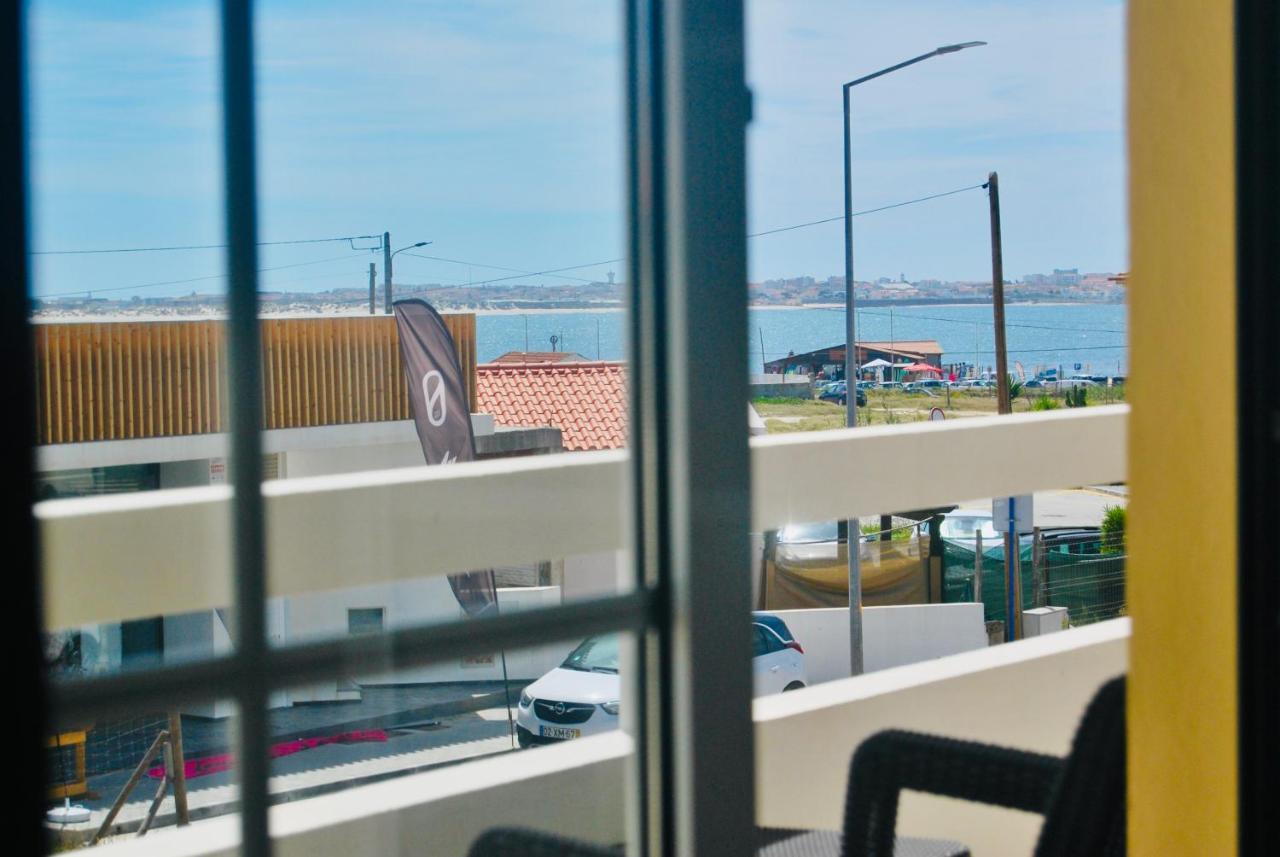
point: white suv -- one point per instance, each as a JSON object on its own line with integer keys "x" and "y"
{"x": 581, "y": 696}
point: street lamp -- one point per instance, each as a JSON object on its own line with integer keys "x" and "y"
{"x": 387, "y": 256}
{"x": 854, "y": 532}
{"x": 850, "y": 356}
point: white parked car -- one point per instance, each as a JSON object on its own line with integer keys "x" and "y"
{"x": 1071, "y": 383}
{"x": 582, "y": 696}
{"x": 964, "y": 526}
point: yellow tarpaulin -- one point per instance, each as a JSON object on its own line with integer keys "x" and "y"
{"x": 817, "y": 575}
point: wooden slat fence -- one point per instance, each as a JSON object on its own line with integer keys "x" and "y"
{"x": 124, "y": 380}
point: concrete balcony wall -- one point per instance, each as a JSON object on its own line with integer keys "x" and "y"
{"x": 1029, "y": 694}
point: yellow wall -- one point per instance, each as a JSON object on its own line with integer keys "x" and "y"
{"x": 1182, "y": 708}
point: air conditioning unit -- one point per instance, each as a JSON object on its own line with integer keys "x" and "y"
{"x": 1043, "y": 620}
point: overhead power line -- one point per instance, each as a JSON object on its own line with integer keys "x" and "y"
{"x": 989, "y": 322}
{"x": 775, "y": 231}
{"x": 196, "y": 246}
{"x": 548, "y": 271}
{"x": 518, "y": 273}
{"x": 189, "y": 279}
{"x": 865, "y": 212}
{"x": 492, "y": 267}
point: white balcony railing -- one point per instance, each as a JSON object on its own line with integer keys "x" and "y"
{"x": 168, "y": 552}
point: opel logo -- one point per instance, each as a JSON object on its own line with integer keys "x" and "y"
{"x": 433, "y": 393}
{"x": 559, "y": 708}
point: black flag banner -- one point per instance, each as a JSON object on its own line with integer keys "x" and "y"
{"x": 442, "y": 417}
{"x": 436, "y": 397}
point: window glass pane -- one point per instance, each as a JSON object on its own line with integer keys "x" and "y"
{"x": 128, "y": 280}
{"x": 1038, "y": 105}
{"x": 470, "y": 157}
{"x": 759, "y": 642}
{"x": 410, "y": 725}
{"x": 128, "y": 276}
{"x": 440, "y": 161}
{"x": 142, "y": 760}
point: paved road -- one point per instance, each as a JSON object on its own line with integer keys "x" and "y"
{"x": 322, "y": 769}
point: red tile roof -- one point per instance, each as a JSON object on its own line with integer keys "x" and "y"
{"x": 587, "y": 401}
{"x": 540, "y": 357}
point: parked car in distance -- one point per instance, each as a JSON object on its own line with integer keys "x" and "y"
{"x": 1070, "y": 383}
{"x": 838, "y": 393}
{"x": 582, "y": 696}
{"x": 963, "y": 525}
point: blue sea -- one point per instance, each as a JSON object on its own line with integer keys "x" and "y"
{"x": 1092, "y": 337}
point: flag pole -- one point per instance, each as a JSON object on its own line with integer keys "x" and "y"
{"x": 502, "y": 653}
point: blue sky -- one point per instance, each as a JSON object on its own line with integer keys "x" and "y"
{"x": 493, "y": 129}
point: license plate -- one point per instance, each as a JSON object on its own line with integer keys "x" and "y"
{"x": 559, "y": 732}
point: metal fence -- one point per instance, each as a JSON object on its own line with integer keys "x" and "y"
{"x": 1086, "y": 577}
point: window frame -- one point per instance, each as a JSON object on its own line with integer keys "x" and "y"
{"x": 685, "y": 132}
{"x": 1257, "y": 88}
{"x": 17, "y": 466}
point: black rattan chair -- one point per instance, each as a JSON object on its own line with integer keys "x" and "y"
{"x": 1082, "y": 797}
{"x": 522, "y": 842}
{"x": 770, "y": 842}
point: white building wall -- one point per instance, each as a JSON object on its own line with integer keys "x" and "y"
{"x": 891, "y": 636}
{"x": 404, "y": 605}
{"x": 595, "y": 575}
{"x": 350, "y": 459}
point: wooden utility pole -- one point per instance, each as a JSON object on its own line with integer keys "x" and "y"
{"x": 386, "y": 270}
{"x": 977, "y": 569}
{"x": 373, "y": 289}
{"x": 997, "y": 295}
{"x": 178, "y": 769}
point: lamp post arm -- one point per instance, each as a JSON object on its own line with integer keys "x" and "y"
{"x": 891, "y": 68}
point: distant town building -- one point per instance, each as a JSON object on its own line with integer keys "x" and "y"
{"x": 830, "y": 361}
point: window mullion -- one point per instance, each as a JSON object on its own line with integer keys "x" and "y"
{"x": 245, "y": 385}
{"x": 692, "y": 476}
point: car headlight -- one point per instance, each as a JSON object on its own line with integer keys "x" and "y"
{"x": 525, "y": 699}
{"x": 611, "y": 707}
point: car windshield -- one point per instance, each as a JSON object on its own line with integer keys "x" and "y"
{"x": 967, "y": 526}
{"x": 594, "y": 654}
{"x": 799, "y": 534}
